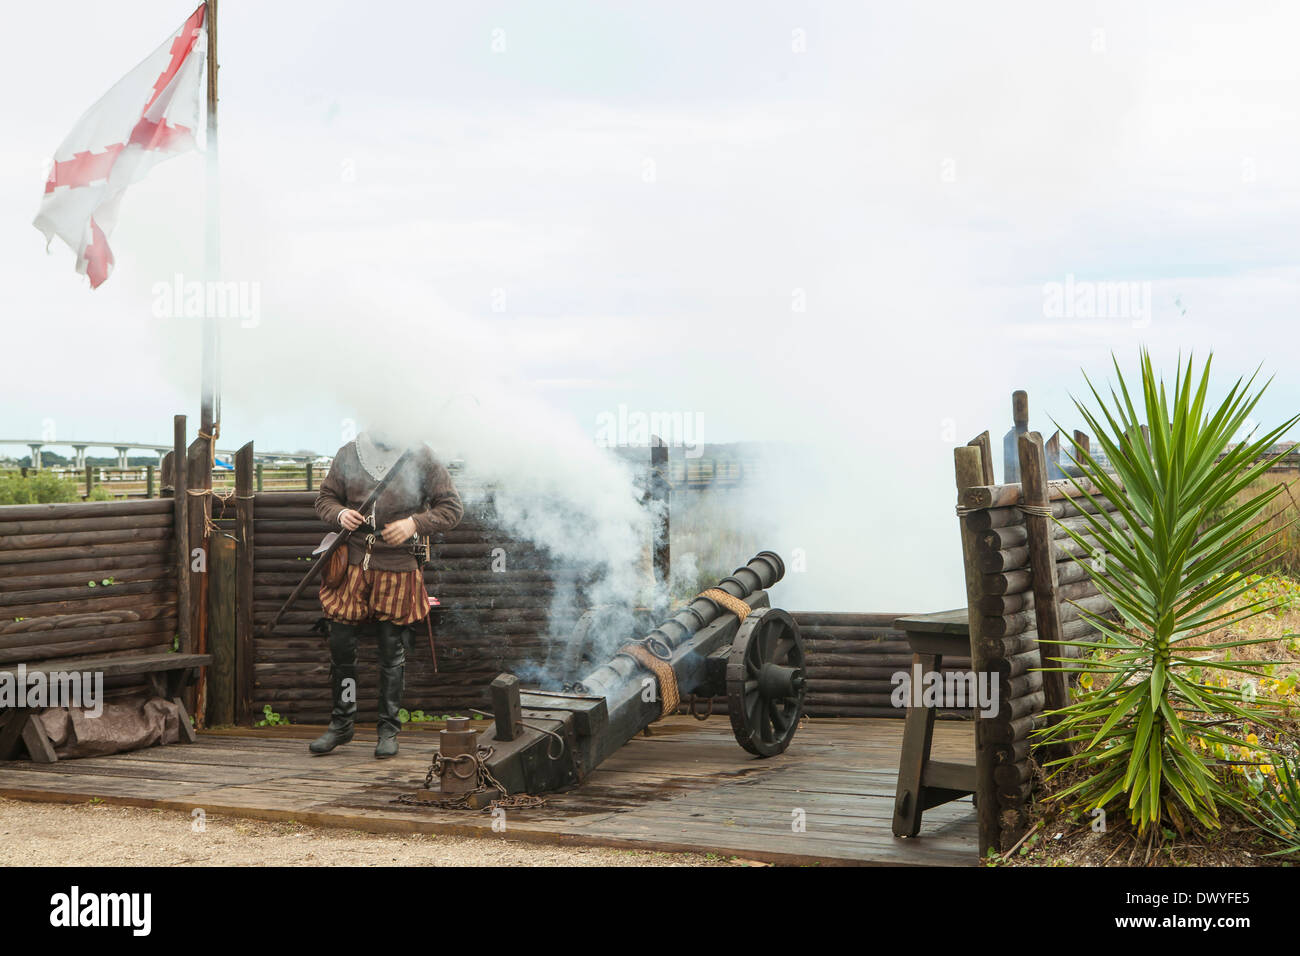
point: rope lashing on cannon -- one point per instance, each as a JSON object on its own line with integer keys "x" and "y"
{"x": 729, "y": 601}
{"x": 665, "y": 677}
{"x": 669, "y": 694}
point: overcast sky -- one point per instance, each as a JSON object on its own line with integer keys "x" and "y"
{"x": 793, "y": 220}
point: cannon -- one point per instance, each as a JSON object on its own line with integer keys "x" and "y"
{"x": 727, "y": 641}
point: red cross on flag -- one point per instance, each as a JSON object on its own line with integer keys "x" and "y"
{"x": 149, "y": 115}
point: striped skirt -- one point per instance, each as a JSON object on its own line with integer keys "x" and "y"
{"x": 397, "y": 596}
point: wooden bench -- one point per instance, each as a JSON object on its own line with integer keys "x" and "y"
{"x": 1026, "y": 588}
{"x": 167, "y": 676}
{"x": 924, "y": 783}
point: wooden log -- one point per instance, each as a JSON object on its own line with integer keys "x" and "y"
{"x": 985, "y": 445}
{"x": 133, "y": 640}
{"x": 1022, "y": 622}
{"x": 1061, "y": 549}
{"x": 29, "y": 558}
{"x": 994, "y": 605}
{"x": 80, "y": 525}
{"x": 35, "y": 597}
{"x": 82, "y": 509}
{"x": 198, "y": 468}
{"x": 74, "y": 579}
{"x": 105, "y": 602}
{"x": 80, "y": 540}
{"x": 1006, "y": 732}
{"x": 1014, "y": 665}
{"x": 1019, "y": 580}
{"x": 969, "y": 469}
{"x": 1003, "y": 496}
{"x": 102, "y": 564}
{"x": 1011, "y": 775}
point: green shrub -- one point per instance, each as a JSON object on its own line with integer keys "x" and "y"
{"x": 38, "y": 488}
{"x": 1147, "y": 732}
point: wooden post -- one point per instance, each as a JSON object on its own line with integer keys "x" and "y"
{"x": 660, "y": 496}
{"x": 210, "y": 398}
{"x": 222, "y": 588}
{"x": 1020, "y": 425}
{"x": 309, "y": 488}
{"x": 506, "y": 706}
{"x": 1042, "y": 572}
{"x": 259, "y": 476}
{"x": 198, "y": 466}
{"x": 90, "y": 481}
{"x": 148, "y": 481}
{"x": 984, "y": 443}
{"x": 244, "y": 649}
{"x": 181, "y": 534}
{"x": 1052, "y": 451}
{"x": 970, "y": 472}
{"x": 1082, "y": 445}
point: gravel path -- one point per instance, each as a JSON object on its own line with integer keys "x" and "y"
{"x": 41, "y": 834}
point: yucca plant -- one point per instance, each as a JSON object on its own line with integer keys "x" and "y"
{"x": 1160, "y": 699}
{"x": 1279, "y": 805}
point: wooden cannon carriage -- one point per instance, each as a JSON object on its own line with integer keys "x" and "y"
{"x": 1026, "y": 589}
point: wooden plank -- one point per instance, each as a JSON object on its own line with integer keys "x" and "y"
{"x": 221, "y": 629}
{"x": 688, "y": 787}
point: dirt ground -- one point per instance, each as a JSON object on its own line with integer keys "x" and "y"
{"x": 90, "y": 834}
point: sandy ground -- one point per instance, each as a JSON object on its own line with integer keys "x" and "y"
{"x": 88, "y": 834}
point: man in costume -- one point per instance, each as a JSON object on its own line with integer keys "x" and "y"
{"x": 384, "y": 580}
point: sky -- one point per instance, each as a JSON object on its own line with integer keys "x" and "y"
{"x": 847, "y": 225}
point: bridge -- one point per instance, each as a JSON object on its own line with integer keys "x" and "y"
{"x": 124, "y": 449}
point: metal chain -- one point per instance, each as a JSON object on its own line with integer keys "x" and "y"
{"x": 484, "y": 779}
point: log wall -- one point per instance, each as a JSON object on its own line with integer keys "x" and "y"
{"x": 1005, "y": 622}
{"x": 50, "y": 554}
{"x": 489, "y": 621}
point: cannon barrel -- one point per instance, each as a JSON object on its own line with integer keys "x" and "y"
{"x": 763, "y": 570}
{"x": 542, "y": 741}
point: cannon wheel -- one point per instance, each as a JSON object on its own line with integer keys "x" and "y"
{"x": 765, "y": 682}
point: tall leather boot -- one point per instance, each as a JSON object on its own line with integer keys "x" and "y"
{"x": 393, "y": 639}
{"x": 343, "y": 687}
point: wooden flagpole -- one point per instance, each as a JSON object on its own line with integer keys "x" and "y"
{"x": 210, "y": 405}
{"x": 204, "y": 450}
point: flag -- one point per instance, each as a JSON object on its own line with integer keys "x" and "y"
{"x": 149, "y": 115}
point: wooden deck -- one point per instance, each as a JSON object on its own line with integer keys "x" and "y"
{"x": 687, "y": 787}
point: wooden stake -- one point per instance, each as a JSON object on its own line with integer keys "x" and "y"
{"x": 970, "y": 471}
{"x": 181, "y": 531}
{"x": 244, "y": 584}
{"x": 1042, "y": 564}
